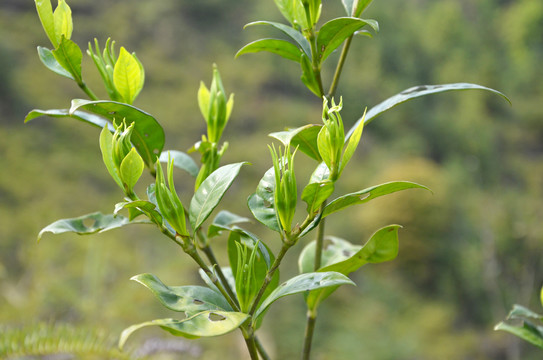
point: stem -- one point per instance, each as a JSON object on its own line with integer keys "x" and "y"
{"x": 87, "y": 90}
{"x": 213, "y": 260}
{"x": 308, "y": 338}
{"x": 263, "y": 354}
{"x": 320, "y": 240}
{"x": 339, "y": 67}
{"x": 315, "y": 61}
{"x": 251, "y": 345}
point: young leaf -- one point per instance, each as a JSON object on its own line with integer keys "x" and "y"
{"x": 368, "y": 194}
{"x": 69, "y": 56}
{"x": 84, "y": 225}
{"x": 262, "y": 202}
{"x": 280, "y": 47}
{"x": 304, "y": 138}
{"x": 315, "y": 193}
{"x": 415, "y": 92}
{"x": 48, "y": 59}
{"x": 335, "y": 32}
{"x": 361, "y": 5}
{"x": 188, "y": 299}
{"x": 210, "y": 193}
{"x": 131, "y": 169}
{"x": 294, "y": 34}
{"x": 204, "y": 324}
{"x": 181, "y": 161}
{"x": 352, "y": 144}
{"x": 45, "y": 12}
{"x": 63, "y": 21}
{"x": 106, "y": 147}
{"x": 148, "y": 135}
{"x": 128, "y": 76}
{"x": 303, "y": 283}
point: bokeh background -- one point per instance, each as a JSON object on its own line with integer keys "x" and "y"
{"x": 468, "y": 252}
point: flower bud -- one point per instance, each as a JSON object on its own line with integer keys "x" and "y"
{"x": 331, "y": 138}
{"x": 285, "y": 196}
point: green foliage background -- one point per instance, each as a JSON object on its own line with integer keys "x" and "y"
{"x": 466, "y": 253}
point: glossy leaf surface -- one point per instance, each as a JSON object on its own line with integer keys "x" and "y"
{"x": 204, "y": 324}
{"x": 315, "y": 193}
{"x": 180, "y": 160}
{"x": 262, "y": 202}
{"x": 148, "y": 135}
{"x": 210, "y": 193}
{"x": 290, "y": 32}
{"x": 368, "y": 194}
{"x": 224, "y": 222}
{"x": 128, "y": 76}
{"x": 84, "y": 225}
{"x": 84, "y": 116}
{"x": 131, "y": 168}
{"x": 188, "y": 299}
{"x": 336, "y": 31}
{"x": 527, "y": 331}
{"x": 304, "y": 138}
{"x": 48, "y": 59}
{"x": 69, "y": 56}
{"x": 303, "y": 283}
{"x": 282, "y": 48}
{"x": 415, "y": 92}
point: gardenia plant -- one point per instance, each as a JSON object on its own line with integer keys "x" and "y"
{"x": 236, "y": 295}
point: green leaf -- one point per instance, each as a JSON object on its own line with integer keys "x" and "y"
{"x": 303, "y": 283}
{"x": 314, "y": 194}
{"x": 181, "y": 161}
{"x": 280, "y": 47}
{"x": 210, "y": 193}
{"x": 335, "y": 32}
{"x": 528, "y": 331}
{"x": 45, "y": 12}
{"x": 368, "y": 194}
{"x": 304, "y": 138}
{"x": 415, "y": 92}
{"x": 294, "y": 34}
{"x": 128, "y": 76}
{"x": 262, "y": 202}
{"x": 224, "y": 221}
{"x": 63, "y": 21}
{"x": 69, "y": 56}
{"x": 188, "y": 299}
{"x": 308, "y": 76}
{"x": 521, "y": 312}
{"x": 361, "y": 6}
{"x": 352, "y": 144}
{"x": 48, "y": 59}
{"x": 139, "y": 207}
{"x": 84, "y": 116}
{"x": 131, "y": 169}
{"x": 148, "y": 135}
{"x": 343, "y": 257}
{"x": 84, "y": 225}
{"x": 293, "y": 11}
{"x": 204, "y": 324}
{"x": 106, "y": 147}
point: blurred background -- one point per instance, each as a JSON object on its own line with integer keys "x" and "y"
{"x": 467, "y": 252}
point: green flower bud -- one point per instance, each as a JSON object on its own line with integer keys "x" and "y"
{"x": 285, "y": 196}
{"x": 168, "y": 202}
{"x": 246, "y": 286}
{"x": 331, "y": 138}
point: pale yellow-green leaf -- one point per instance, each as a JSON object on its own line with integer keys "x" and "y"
{"x": 131, "y": 169}
{"x": 203, "y": 100}
{"x": 352, "y": 144}
{"x": 128, "y": 76}
{"x": 63, "y": 21}
{"x": 45, "y": 12}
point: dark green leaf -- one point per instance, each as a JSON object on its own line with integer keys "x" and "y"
{"x": 280, "y": 47}
{"x": 50, "y": 62}
{"x": 303, "y": 283}
{"x": 529, "y": 332}
{"x": 148, "y": 135}
{"x": 181, "y": 161}
{"x": 308, "y": 76}
{"x": 416, "y": 92}
{"x": 314, "y": 194}
{"x": 304, "y": 138}
{"x": 521, "y": 312}
{"x": 204, "y": 324}
{"x": 294, "y": 34}
{"x": 188, "y": 299}
{"x": 210, "y": 193}
{"x": 262, "y": 203}
{"x": 335, "y": 32}
{"x": 84, "y": 116}
{"x": 224, "y": 221}
{"x": 139, "y": 207}
{"x": 368, "y": 194}
{"x": 69, "y": 56}
{"x": 84, "y": 225}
